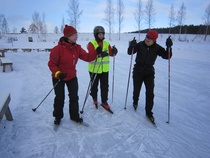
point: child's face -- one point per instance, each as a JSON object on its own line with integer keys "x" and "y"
{"x": 73, "y": 38}
{"x": 101, "y": 36}
{"x": 148, "y": 41}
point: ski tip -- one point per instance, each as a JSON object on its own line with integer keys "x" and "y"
{"x": 96, "y": 106}
{"x": 85, "y": 124}
{"x": 135, "y": 107}
{"x": 109, "y": 110}
{"x": 152, "y": 121}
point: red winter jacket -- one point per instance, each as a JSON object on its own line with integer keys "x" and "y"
{"x": 64, "y": 57}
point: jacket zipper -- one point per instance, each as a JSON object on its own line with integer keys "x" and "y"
{"x": 73, "y": 60}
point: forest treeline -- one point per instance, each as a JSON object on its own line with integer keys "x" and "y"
{"x": 186, "y": 29}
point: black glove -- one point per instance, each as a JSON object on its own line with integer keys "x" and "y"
{"x": 132, "y": 43}
{"x": 99, "y": 50}
{"x": 61, "y": 76}
{"x": 169, "y": 42}
{"x": 103, "y": 54}
{"x": 169, "y": 50}
{"x": 114, "y": 50}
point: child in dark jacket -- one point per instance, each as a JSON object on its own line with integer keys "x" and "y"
{"x": 143, "y": 71}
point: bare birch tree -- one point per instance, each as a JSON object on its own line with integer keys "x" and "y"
{"x": 4, "y": 26}
{"x": 74, "y": 13}
{"x": 38, "y": 24}
{"x": 120, "y": 11}
{"x": 43, "y": 27}
{"x": 172, "y": 18}
{"x": 56, "y": 30}
{"x": 109, "y": 16}
{"x": 181, "y": 17}
{"x": 14, "y": 30}
{"x": 62, "y": 25}
{"x": 1, "y": 18}
{"x": 150, "y": 13}
{"x": 138, "y": 14}
{"x": 207, "y": 21}
{"x": 35, "y": 26}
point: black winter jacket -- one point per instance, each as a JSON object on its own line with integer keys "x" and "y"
{"x": 146, "y": 55}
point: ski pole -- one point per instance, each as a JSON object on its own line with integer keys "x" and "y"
{"x": 113, "y": 78}
{"x": 168, "y": 86}
{"x": 129, "y": 77}
{"x": 34, "y": 109}
{"x": 90, "y": 84}
{"x": 88, "y": 90}
{"x": 169, "y": 56}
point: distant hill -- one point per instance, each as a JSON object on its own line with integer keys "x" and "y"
{"x": 186, "y": 29}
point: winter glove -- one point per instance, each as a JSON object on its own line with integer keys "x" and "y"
{"x": 169, "y": 42}
{"x": 169, "y": 50}
{"x": 103, "y": 54}
{"x": 132, "y": 43}
{"x": 114, "y": 50}
{"x": 61, "y": 76}
{"x": 100, "y": 52}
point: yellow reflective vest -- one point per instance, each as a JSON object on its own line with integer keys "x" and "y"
{"x": 100, "y": 64}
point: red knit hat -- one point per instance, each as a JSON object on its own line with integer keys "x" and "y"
{"x": 68, "y": 31}
{"x": 153, "y": 35}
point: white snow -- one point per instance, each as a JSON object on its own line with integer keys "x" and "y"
{"x": 126, "y": 133}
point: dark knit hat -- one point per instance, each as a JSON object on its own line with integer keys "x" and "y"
{"x": 68, "y": 31}
{"x": 153, "y": 35}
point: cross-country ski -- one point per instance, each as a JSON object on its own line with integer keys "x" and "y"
{"x": 107, "y": 109}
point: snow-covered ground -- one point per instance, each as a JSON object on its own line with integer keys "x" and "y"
{"x": 124, "y": 134}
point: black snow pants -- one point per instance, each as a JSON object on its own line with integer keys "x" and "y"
{"x": 72, "y": 86}
{"x": 146, "y": 76}
{"x": 104, "y": 86}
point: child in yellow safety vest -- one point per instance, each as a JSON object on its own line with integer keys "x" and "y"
{"x": 99, "y": 68}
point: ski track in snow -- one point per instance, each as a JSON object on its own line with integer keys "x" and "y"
{"x": 126, "y": 133}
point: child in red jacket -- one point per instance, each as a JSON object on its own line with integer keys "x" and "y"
{"x": 62, "y": 63}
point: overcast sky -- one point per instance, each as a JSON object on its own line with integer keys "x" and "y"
{"x": 19, "y": 13}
